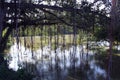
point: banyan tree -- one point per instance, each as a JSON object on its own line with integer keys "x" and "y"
{"x": 18, "y": 13}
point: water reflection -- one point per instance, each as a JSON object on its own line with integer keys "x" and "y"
{"x": 47, "y": 64}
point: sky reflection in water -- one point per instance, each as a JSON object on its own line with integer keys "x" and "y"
{"x": 56, "y": 65}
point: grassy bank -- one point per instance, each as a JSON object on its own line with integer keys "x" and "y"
{"x": 36, "y": 42}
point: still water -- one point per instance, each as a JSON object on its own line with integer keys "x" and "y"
{"x": 74, "y": 63}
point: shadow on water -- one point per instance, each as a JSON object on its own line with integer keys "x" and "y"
{"x": 102, "y": 61}
{"x": 75, "y": 63}
{"x": 9, "y": 74}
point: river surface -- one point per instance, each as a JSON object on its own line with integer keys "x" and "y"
{"x": 74, "y": 63}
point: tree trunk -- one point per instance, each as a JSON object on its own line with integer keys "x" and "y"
{"x": 111, "y": 32}
{"x": 1, "y": 28}
{"x": 1, "y": 23}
